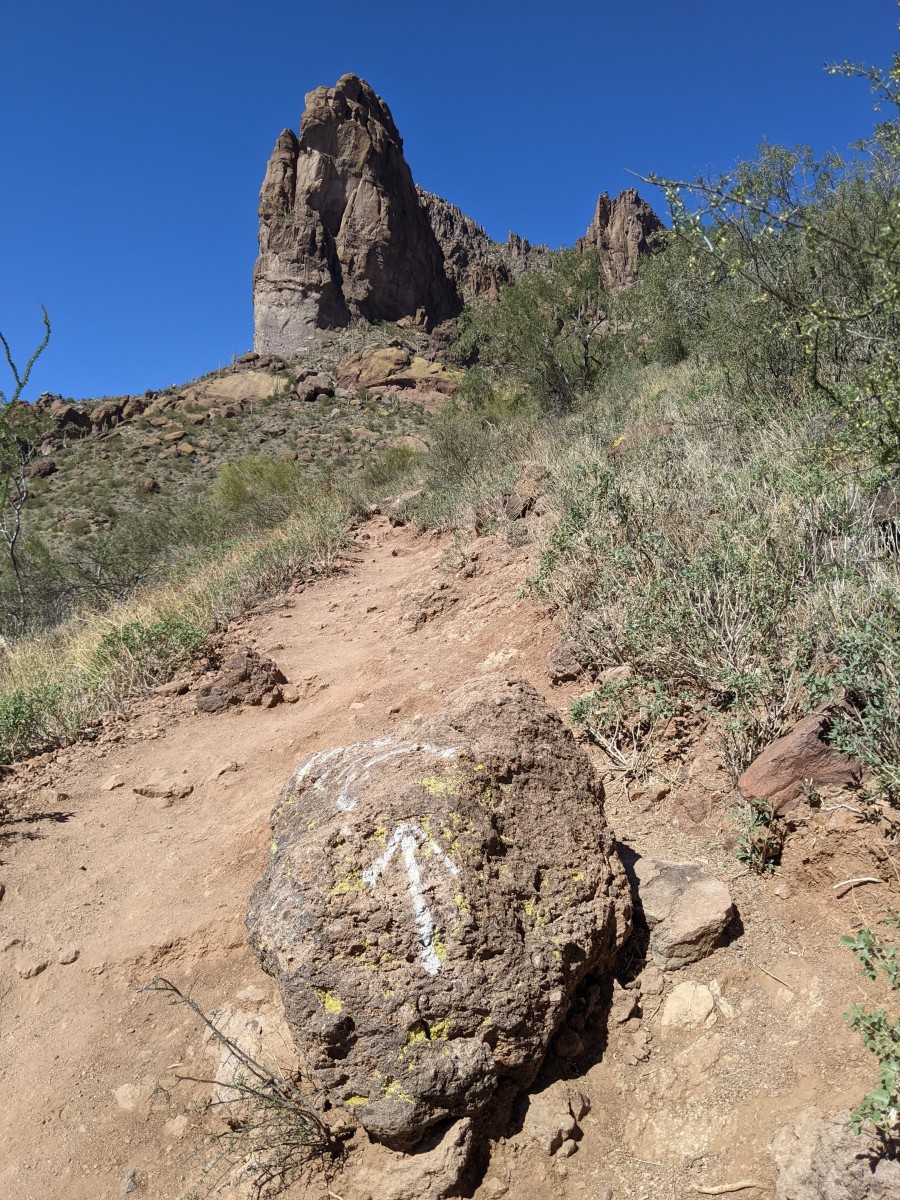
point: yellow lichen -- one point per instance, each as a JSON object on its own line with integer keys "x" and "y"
{"x": 393, "y": 1091}
{"x": 355, "y": 1101}
{"x": 330, "y": 1003}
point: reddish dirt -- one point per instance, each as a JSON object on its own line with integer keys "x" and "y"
{"x": 139, "y": 886}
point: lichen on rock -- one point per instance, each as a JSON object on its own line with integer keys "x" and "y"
{"x": 446, "y": 890}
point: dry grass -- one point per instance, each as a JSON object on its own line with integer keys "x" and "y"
{"x": 56, "y": 685}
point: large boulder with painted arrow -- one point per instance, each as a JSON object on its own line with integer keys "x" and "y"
{"x": 432, "y": 901}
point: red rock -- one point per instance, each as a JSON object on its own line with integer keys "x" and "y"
{"x": 778, "y": 774}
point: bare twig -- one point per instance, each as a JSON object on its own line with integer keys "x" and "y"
{"x": 722, "y": 1188}
{"x": 851, "y": 883}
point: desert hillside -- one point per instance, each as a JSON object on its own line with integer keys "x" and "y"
{"x": 454, "y": 750}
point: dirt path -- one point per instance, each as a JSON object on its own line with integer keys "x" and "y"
{"x": 119, "y": 887}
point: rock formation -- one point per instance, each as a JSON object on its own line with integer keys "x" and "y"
{"x": 431, "y": 904}
{"x": 345, "y": 235}
{"x": 820, "y": 1158}
{"x": 342, "y": 235}
{"x": 622, "y": 230}
{"x": 477, "y": 265}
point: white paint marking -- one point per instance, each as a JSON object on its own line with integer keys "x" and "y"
{"x": 408, "y": 837}
{"x": 358, "y": 761}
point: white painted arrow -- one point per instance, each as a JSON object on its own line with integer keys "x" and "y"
{"x": 408, "y": 837}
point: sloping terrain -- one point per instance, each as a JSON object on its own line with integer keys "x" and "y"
{"x": 106, "y": 888}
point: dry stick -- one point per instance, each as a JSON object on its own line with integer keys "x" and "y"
{"x": 848, "y": 883}
{"x": 777, "y": 980}
{"x": 731, "y": 1187}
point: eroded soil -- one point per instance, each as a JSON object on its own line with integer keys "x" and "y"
{"x": 105, "y": 888}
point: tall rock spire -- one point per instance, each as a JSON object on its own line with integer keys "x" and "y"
{"x": 342, "y": 233}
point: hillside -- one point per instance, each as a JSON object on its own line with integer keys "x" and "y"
{"x": 455, "y": 750}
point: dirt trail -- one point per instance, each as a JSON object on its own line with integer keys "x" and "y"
{"x": 138, "y": 886}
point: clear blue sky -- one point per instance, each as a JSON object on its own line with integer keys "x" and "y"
{"x": 135, "y": 133}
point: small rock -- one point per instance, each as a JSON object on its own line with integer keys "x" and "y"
{"x": 651, "y": 980}
{"x": 689, "y": 1005}
{"x": 562, "y": 663}
{"x": 688, "y": 911}
{"x": 550, "y": 1121}
{"x": 129, "y": 1184}
{"x": 579, "y": 1105}
{"x": 225, "y": 769}
{"x": 567, "y": 1149}
{"x": 112, "y": 782}
{"x": 28, "y": 966}
{"x": 289, "y": 693}
{"x": 175, "y": 687}
{"x": 164, "y": 791}
{"x": 68, "y": 955}
{"x": 493, "y": 1189}
{"x": 623, "y": 1004}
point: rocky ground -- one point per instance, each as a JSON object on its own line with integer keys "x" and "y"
{"x": 330, "y": 410}
{"x": 135, "y": 855}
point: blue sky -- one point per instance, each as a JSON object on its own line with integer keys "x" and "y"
{"x": 135, "y": 133}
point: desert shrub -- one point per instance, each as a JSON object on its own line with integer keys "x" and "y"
{"x": 880, "y": 1034}
{"x": 389, "y": 468}
{"x": 723, "y": 559}
{"x": 542, "y": 333}
{"x": 866, "y": 667}
{"x": 26, "y": 717}
{"x": 471, "y": 461}
{"x": 272, "y": 1133}
{"x": 810, "y": 249}
{"x": 260, "y": 489}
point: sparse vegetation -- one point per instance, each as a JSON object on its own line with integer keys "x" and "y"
{"x": 879, "y": 1033}
{"x": 270, "y": 1134}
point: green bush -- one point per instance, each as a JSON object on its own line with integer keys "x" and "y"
{"x": 880, "y": 1034}
{"x": 542, "y": 334}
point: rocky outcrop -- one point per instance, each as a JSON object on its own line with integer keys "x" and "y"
{"x": 822, "y": 1159}
{"x": 477, "y": 265}
{"x": 622, "y": 230}
{"x": 432, "y": 902}
{"x": 345, "y": 235}
{"x": 342, "y": 235}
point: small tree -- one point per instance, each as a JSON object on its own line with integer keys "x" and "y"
{"x": 543, "y": 330}
{"x": 816, "y": 245}
{"x": 19, "y": 428}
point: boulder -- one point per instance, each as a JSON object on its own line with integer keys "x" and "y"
{"x": 780, "y": 772}
{"x": 342, "y": 234}
{"x": 40, "y": 468}
{"x": 373, "y": 368}
{"x": 822, "y": 1159}
{"x": 106, "y": 415}
{"x": 563, "y": 664}
{"x": 68, "y": 418}
{"x": 314, "y": 386}
{"x": 686, "y": 909}
{"x": 433, "y": 900}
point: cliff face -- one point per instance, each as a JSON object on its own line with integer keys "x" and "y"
{"x": 622, "y": 230}
{"x": 342, "y": 234}
{"x": 477, "y": 265}
{"x": 345, "y": 235}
